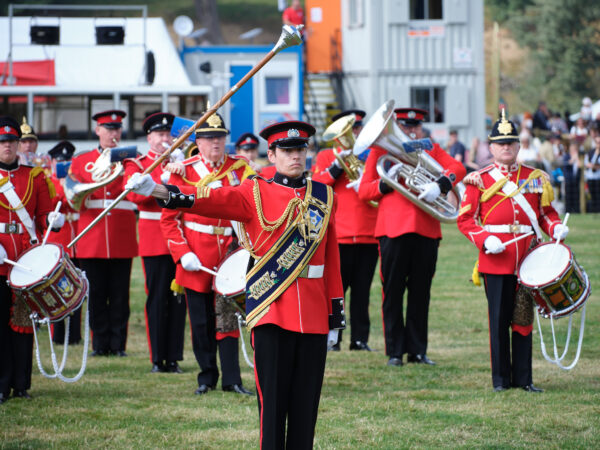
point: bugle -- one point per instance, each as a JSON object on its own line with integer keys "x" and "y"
{"x": 417, "y": 167}
{"x": 289, "y": 36}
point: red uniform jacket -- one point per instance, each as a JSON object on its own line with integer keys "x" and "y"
{"x": 114, "y": 236}
{"x": 34, "y": 194}
{"x": 305, "y": 306}
{"x": 151, "y": 238}
{"x": 68, "y": 232}
{"x": 499, "y": 210}
{"x": 181, "y": 238}
{"x": 397, "y": 215}
{"x": 267, "y": 172}
{"x": 355, "y": 219}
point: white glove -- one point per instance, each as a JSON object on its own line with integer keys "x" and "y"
{"x": 343, "y": 154}
{"x": 141, "y": 184}
{"x": 356, "y": 183}
{"x": 190, "y": 262}
{"x": 431, "y": 191}
{"x": 394, "y": 171}
{"x": 58, "y": 218}
{"x": 332, "y": 338}
{"x": 3, "y": 254}
{"x": 494, "y": 245}
{"x": 177, "y": 156}
{"x": 560, "y": 232}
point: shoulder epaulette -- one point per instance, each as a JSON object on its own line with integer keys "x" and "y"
{"x": 486, "y": 168}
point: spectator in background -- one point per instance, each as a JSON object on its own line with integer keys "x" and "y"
{"x": 558, "y": 124}
{"x": 550, "y": 152}
{"x": 294, "y": 14}
{"x": 478, "y": 156}
{"x": 579, "y": 131}
{"x": 592, "y": 171}
{"x": 540, "y": 119}
{"x": 528, "y": 154}
{"x": 571, "y": 169}
{"x": 586, "y": 109}
{"x": 456, "y": 148}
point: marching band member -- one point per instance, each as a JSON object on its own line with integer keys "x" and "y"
{"x": 105, "y": 253}
{"x": 28, "y": 145}
{"x": 408, "y": 242}
{"x": 247, "y": 146}
{"x": 295, "y": 294}
{"x": 502, "y": 201}
{"x": 196, "y": 241}
{"x": 165, "y": 312}
{"x": 61, "y": 153}
{"x": 355, "y": 227}
{"x": 25, "y": 211}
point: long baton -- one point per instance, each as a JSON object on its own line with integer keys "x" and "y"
{"x": 290, "y": 36}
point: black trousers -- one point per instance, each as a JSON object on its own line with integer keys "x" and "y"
{"x": 201, "y": 307}
{"x": 407, "y": 263}
{"x": 500, "y": 291}
{"x": 165, "y": 312}
{"x": 16, "y": 349}
{"x": 594, "y": 187}
{"x": 289, "y": 369}
{"x": 109, "y": 301}
{"x": 357, "y": 262}
{"x": 58, "y": 328}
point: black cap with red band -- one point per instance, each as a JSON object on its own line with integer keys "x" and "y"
{"x": 410, "y": 116}
{"x": 359, "y": 115}
{"x": 290, "y": 134}
{"x": 112, "y": 118}
{"x": 9, "y": 129}
{"x": 247, "y": 141}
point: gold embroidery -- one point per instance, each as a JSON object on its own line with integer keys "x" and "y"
{"x": 262, "y": 285}
{"x": 290, "y": 255}
{"x": 464, "y": 209}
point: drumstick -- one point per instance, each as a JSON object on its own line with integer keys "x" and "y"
{"x": 564, "y": 222}
{"x": 16, "y": 264}
{"x": 51, "y": 223}
{"x": 212, "y": 272}
{"x": 512, "y": 241}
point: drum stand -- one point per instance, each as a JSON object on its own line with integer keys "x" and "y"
{"x": 558, "y": 360}
{"x": 241, "y": 324}
{"x": 86, "y": 339}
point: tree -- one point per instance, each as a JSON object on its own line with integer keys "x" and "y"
{"x": 563, "y": 37}
{"x": 208, "y": 16}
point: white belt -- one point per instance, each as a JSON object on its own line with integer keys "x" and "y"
{"x": 105, "y": 203}
{"x": 71, "y": 217}
{"x": 208, "y": 229}
{"x": 312, "y": 271}
{"x": 11, "y": 228}
{"x": 514, "y": 228}
{"x": 150, "y": 215}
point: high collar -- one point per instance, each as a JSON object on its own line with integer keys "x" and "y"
{"x": 152, "y": 155}
{"x": 295, "y": 183}
{"x": 212, "y": 165}
{"x": 9, "y": 167}
{"x": 504, "y": 168}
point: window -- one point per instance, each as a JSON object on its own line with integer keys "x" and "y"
{"x": 355, "y": 13}
{"x": 425, "y": 9}
{"x": 278, "y": 90}
{"x": 431, "y": 99}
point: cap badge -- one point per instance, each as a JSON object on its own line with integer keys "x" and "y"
{"x": 411, "y": 114}
{"x": 248, "y": 140}
{"x": 164, "y": 121}
{"x": 7, "y": 129}
{"x": 214, "y": 121}
{"x": 113, "y": 117}
{"x": 504, "y": 126}
{"x": 64, "y": 151}
{"x": 293, "y": 133}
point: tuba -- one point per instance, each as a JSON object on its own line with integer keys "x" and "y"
{"x": 417, "y": 166}
{"x": 340, "y": 132}
{"x": 103, "y": 171}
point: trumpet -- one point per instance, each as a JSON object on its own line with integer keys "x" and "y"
{"x": 340, "y": 132}
{"x": 417, "y": 166}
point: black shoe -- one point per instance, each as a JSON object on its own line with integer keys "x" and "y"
{"x": 3, "y": 398}
{"x": 532, "y": 388}
{"x": 500, "y": 389}
{"x": 203, "y": 389}
{"x": 360, "y": 345}
{"x": 334, "y": 348}
{"x": 238, "y": 389}
{"x": 173, "y": 367}
{"x": 120, "y": 353}
{"x": 21, "y": 394}
{"x": 393, "y": 361}
{"x": 100, "y": 353}
{"x": 157, "y": 368}
{"x": 419, "y": 359}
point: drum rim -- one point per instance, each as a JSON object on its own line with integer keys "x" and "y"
{"x": 46, "y": 276}
{"x": 214, "y": 281}
{"x": 562, "y": 273}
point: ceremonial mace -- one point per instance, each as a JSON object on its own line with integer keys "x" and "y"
{"x": 290, "y": 36}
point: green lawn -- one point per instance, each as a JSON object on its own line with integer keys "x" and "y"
{"x": 365, "y": 404}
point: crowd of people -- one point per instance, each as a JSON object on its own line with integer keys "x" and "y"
{"x": 310, "y": 236}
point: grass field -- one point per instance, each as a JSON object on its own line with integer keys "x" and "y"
{"x": 365, "y": 404}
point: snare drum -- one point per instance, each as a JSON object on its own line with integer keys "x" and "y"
{"x": 230, "y": 281}
{"x": 54, "y": 287}
{"x": 556, "y": 282}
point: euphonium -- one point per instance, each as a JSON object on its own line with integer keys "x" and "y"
{"x": 340, "y": 132}
{"x": 417, "y": 166}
